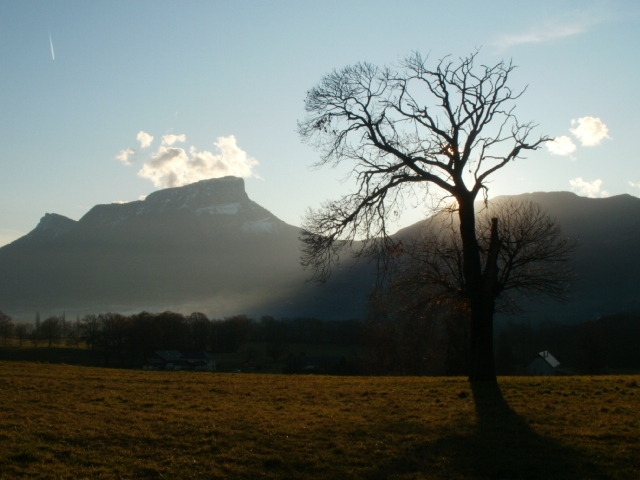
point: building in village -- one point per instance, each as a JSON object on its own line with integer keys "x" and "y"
{"x": 175, "y": 360}
{"x": 543, "y": 364}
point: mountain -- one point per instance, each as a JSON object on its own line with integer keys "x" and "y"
{"x": 205, "y": 246}
{"x": 208, "y": 247}
{"x": 606, "y": 259}
{"x": 607, "y": 256}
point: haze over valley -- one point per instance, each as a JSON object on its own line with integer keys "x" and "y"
{"x": 208, "y": 247}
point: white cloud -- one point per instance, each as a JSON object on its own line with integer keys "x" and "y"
{"x": 170, "y": 139}
{"x": 120, "y": 202}
{"x": 125, "y": 156}
{"x": 590, "y": 131}
{"x": 546, "y": 32}
{"x": 174, "y": 167}
{"x": 144, "y": 138}
{"x": 588, "y": 189}
{"x": 561, "y": 146}
{"x": 142, "y": 197}
{"x": 635, "y": 184}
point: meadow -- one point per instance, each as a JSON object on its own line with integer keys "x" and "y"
{"x": 62, "y": 421}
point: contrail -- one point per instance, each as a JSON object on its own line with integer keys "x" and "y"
{"x": 53, "y": 54}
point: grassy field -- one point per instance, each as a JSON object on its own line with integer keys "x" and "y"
{"x": 59, "y": 421}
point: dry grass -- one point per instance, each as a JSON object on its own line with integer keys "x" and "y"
{"x": 59, "y": 421}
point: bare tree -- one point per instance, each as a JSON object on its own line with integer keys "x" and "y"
{"x": 533, "y": 260}
{"x": 6, "y": 326}
{"x": 401, "y": 340}
{"x": 406, "y": 132}
{"x": 36, "y": 334}
{"x": 22, "y": 331}
{"x": 51, "y": 330}
{"x": 90, "y": 328}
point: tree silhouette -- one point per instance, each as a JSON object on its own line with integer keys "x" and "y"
{"x": 22, "y": 331}
{"x": 51, "y": 330}
{"x": 6, "y": 326}
{"x": 533, "y": 260}
{"x": 412, "y": 132}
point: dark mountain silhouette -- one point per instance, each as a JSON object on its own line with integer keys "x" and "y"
{"x": 208, "y": 247}
{"x": 204, "y": 246}
{"x": 606, "y": 259}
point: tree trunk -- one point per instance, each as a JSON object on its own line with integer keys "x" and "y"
{"x": 482, "y": 366}
{"x": 480, "y": 290}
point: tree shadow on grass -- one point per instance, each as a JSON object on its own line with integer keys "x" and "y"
{"x": 501, "y": 446}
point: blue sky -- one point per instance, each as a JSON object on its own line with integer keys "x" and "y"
{"x": 223, "y": 83}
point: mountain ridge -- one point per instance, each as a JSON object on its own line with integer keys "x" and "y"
{"x": 207, "y": 246}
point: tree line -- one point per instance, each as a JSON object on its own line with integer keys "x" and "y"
{"x": 436, "y": 343}
{"x": 128, "y": 340}
{"x": 392, "y": 341}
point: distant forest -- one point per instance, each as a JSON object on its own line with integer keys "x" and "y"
{"x": 403, "y": 345}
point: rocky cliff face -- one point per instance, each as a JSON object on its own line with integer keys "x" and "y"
{"x": 220, "y": 200}
{"x": 51, "y": 227}
{"x": 224, "y": 196}
{"x": 206, "y": 209}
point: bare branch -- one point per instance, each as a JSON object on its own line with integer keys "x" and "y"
{"x": 534, "y": 257}
{"x": 451, "y": 127}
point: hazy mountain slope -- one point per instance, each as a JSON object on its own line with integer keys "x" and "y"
{"x": 607, "y": 257}
{"x": 204, "y": 246}
{"x": 208, "y": 247}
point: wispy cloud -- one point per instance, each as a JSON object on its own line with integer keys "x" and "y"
{"x": 144, "y": 138}
{"x": 172, "y": 166}
{"x": 547, "y": 31}
{"x": 635, "y": 184}
{"x": 562, "y": 145}
{"x": 53, "y": 53}
{"x": 125, "y": 156}
{"x": 589, "y": 189}
{"x": 591, "y": 131}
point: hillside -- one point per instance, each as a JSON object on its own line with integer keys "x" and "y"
{"x": 208, "y": 247}
{"x": 606, "y": 258}
{"x": 204, "y": 246}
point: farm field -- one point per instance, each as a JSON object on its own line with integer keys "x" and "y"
{"x": 61, "y": 421}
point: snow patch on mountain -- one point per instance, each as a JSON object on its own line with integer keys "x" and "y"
{"x": 227, "y": 209}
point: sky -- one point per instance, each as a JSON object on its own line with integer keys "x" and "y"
{"x": 104, "y": 102}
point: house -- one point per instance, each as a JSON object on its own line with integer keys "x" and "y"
{"x": 164, "y": 360}
{"x": 175, "y": 360}
{"x": 198, "y": 361}
{"x": 543, "y": 364}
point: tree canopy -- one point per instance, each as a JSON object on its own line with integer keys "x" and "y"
{"x": 533, "y": 261}
{"x": 404, "y": 131}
